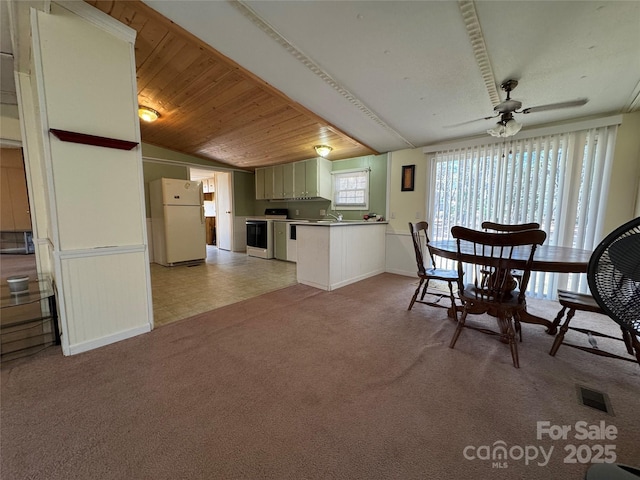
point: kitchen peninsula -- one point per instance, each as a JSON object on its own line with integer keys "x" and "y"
{"x": 334, "y": 254}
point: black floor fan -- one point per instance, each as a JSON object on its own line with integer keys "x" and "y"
{"x": 614, "y": 280}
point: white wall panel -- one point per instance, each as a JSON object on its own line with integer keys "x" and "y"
{"x": 331, "y": 257}
{"x": 102, "y": 308}
{"x": 88, "y": 85}
{"x": 97, "y": 196}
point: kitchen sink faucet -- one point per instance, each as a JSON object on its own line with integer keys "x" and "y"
{"x": 337, "y": 217}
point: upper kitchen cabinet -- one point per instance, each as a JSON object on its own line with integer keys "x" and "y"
{"x": 268, "y": 183}
{"x": 283, "y": 181}
{"x": 278, "y": 182}
{"x": 305, "y": 179}
{"x": 260, "y": 174}
{"x": 287, "y": 180}
{"x": 312, "y": 178}
{"x": 208, "y": 185}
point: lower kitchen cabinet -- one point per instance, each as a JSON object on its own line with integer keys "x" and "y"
{"x": 280, "y": 240}
{"x": 333, "y": 255}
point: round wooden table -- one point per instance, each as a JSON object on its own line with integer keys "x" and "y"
{"x": 547, "y": 258}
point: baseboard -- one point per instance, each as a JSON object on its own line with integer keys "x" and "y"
{"x": 109, "y": 339}
{"x": 401, "y": 272}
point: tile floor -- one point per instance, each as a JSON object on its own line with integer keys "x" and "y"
{"x": 183, "y": 291}
{"x": 225, "y": 278}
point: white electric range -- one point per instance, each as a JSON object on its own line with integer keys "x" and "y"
{"x": 260, "y": 238}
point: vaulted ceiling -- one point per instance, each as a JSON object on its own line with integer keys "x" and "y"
{"x": 254, "y": 83}
{"x": 213, "y": 108}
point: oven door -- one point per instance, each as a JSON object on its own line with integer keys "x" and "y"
{"x": 259, "y": 238}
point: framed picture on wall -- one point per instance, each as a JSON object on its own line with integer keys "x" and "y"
{"x": 408, "y": 177}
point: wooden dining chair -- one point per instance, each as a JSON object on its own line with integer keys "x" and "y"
{"x": 506, "y": 228}
{"x": 614, "y": 280}
{"x": 571, "y": 302}
{"x": 420, "y": 239}
{"x": 492, "y": 290}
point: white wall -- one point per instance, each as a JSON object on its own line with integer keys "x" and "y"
{"x": 404, "y": 207}
{"x": 624, "y": 193}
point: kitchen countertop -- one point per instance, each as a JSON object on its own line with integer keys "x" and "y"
{"x": 333, "y": 223}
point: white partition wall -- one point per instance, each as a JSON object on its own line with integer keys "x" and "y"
{"x": 85, "y": 75}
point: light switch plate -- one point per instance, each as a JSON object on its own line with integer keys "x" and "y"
{"x": 323, "y": 213}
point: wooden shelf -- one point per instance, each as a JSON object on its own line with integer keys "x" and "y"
{"x": 94, "y": 140}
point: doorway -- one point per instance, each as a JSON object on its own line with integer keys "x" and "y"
{"x": 20, "y": 335}
{"x": 217, "y": 192}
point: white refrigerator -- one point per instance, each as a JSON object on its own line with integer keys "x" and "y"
{"x": 177, "y": 221}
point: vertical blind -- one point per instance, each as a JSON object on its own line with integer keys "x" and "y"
{"x": 560, "y": 181}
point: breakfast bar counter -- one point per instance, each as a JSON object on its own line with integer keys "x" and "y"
{"x": 334, "y": 254}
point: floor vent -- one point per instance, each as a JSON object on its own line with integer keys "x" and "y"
{"x": 594, "y": 399}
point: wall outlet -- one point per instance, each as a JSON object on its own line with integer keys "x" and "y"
{"x": 323, "y": 212}
{"x": 417, "y": 215}
{"x": 393, "y": 215}
{"x": 297, "y": 212}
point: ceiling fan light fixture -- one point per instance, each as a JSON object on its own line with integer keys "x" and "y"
{"x": 148, "y": 114}
{"x": 323, "y": 150}
{"x": 511, "y": 128}
{"x": 505, "y": 129}
{"x": 497, "y": 131}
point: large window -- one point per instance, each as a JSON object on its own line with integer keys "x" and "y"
{"x": 351, "y": 190}
{"x": 559, "y": 181}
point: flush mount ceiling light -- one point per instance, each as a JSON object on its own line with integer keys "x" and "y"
{"x": 147, "y": 114}
{"x": 323, "y": 150}
{"x": 506, "y": 127}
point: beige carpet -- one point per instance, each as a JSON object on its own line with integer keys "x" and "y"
{"x": 305, "y": 384}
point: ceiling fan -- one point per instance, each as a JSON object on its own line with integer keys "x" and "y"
{"x": 507, "y": 126}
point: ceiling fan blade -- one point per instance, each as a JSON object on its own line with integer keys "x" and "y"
{"x": 555, "y": 106}
{"x": 470, "y": 121}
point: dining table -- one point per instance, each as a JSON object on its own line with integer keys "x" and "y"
{"x": 547, "y": 258}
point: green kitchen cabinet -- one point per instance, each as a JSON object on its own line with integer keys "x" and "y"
{"x": 260, "y": 174}
{"x": 280, "y": 240}
{"x": 268, "y": 183}
{"x": 305, "y": 179}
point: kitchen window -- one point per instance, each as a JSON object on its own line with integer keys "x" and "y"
{"x": 351, "y": 189}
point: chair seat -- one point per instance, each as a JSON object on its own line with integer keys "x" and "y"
{"x": 472, "y": 294}
{"x": 578, "y": 301}
{"x": 574, "y": 301}
{"x": 442, "y": 274}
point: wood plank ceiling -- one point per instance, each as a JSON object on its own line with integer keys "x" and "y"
{"x": 211, "y": 107}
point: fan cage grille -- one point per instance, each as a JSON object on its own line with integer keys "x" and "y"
{"x": 614, "y": 275}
